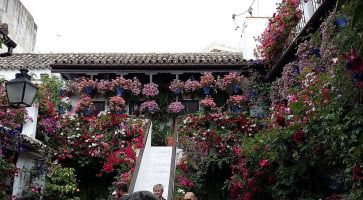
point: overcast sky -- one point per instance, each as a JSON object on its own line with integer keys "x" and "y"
{"x": 136, "y": 26}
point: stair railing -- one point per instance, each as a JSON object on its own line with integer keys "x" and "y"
{"x": 139, "y": 157}
{"x": 173, "y": 161}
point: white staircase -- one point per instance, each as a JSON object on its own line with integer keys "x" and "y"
{"x": 154, "y": 167}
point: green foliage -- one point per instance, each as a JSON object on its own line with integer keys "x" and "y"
{"x": 51, "y": 85}
{"x": 7, "y": 172}
{"x": 158, "y": 135}
{"x": 163, "y": 99}
{"x": 61, "y": 184}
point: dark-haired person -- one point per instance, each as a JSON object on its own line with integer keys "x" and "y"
{"x": 122, "y": 190}
{"x": 190, "y": 196}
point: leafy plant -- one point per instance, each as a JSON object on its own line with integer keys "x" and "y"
{"x": 61, "y": 183}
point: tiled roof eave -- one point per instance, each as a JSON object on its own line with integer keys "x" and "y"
{"x": 46, "y": 61}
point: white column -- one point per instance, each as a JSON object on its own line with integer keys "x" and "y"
{"x": 30, "y": 127}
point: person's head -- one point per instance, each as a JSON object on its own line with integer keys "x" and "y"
{"x": 158, "y": 190}
{"x": 190, "y": 196}
{"x": 141, "y": 195}
{"x": 121, "y": 189}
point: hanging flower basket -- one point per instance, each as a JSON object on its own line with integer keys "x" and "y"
{"x": 86, "y": 86}
{"x": 237, "y": 100}
{"x": 120, "y": 91}
{"x": 149, "y": 106}
{"x": 175, "y": 107}
{"x": 176, "y": 86}
{"x": 150, "y": 90}
{"x": 207, "y": 102}
{"x": 116, "y": 103}
{"x": 84, "y": 105}
{"x": 206, "y": 90}
{"x": 120, "y": 82}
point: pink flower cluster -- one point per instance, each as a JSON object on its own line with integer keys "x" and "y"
{"x": 150, "y": 90}
{"x": 176, "y": 84}
{"x": 116, "y": 103}
{"x": 208, "y": 102}
{"x": 191, "y": 86}
{"x": 135, "y": 86}
{"x": 84, "y": 82}
{"x": 237, "y": 100}
{"x": 120, "y": 82}
{"x": 175, "y": 107}
{"x": 150, "y": 106}
{"x": 279, "y": 27}
{"x": 84, "y": 103}
{"x": 207, "y": 79}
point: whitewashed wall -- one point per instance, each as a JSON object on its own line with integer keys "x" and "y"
{"x": 26, "y": 161}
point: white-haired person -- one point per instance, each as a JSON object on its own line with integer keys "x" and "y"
{"x": 158, "y": 190}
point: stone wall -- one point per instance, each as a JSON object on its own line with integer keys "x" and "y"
{"x": 22, "y": 28}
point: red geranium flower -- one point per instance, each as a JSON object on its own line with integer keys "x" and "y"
{"x": 298, "y": 136}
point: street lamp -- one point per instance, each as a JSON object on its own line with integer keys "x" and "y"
{"x": 21, "y": 91}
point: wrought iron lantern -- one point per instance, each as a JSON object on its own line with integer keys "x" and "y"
{"x": 21, "y": 91}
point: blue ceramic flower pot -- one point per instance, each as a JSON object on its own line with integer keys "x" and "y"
{"x": 87, "y": 112}
{"x": 206, "y": 90}
{"x": 60, "y": 109}
{"x": 89, "y": 90}
{"x": 341, "y": 22}
{"x": 120, "y": 91}
{"x": 236, "y": 109}
{"x": 235, "y": 89}
{"x": 296, "y": 69}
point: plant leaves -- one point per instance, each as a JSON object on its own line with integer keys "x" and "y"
{"x": 358, "y": 14}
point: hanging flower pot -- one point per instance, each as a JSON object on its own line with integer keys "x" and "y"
{"x": 206, "y": 90}
{"x": 87, "y": 112}
{"x": 119, "y": 91}
{"x": 296, "y": 69}
{"x": 118, "y": 112}
{"x": 89, "y": 90}
{"x": 235, "y": 89}
{"x": 341, "y": 22}
{"x": 177, "y": 91}
{"x": 62, "y": 93}
{"x": 60, "y": 110}
{"x": 316, "y": 52}
{"x": 236, "y": 109}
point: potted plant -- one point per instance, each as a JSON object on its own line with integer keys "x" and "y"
{"x": 65, "y": 104}
{"x": 150, "y": 90}
{"x": 149, "y": 106}
{"x": 135, "y": 86}
{"x": 120, "y": 84}
{"x": 190, "y": 86}
{"x": 86, "y": 85}
{"x": 232, "y": 81}
{"x": 207, "y": 102}
{"x": 175, "y": 107}
{"x": 176, "y": 86}
{"x": 206, "y": 82}
{"x": 169, "y": 136}
{"x": 84, "y": 105}
{"x": 237, "y": 101}
{"x": 116, "y": 103}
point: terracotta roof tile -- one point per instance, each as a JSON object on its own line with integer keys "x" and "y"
{"x": 43, "y": 61}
